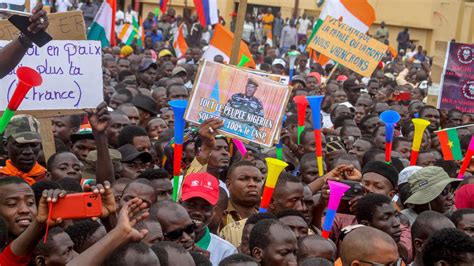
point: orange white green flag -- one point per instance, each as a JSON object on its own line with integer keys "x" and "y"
{"x": 358, "y": 14}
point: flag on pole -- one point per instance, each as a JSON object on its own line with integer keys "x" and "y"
{"x": 450, "y": 144}
{"x": 358, "y": 14}
{"x": 163, "y": 5}
{"x": 140, "y": 33}
{"x": 127, "y": 34}
{"x": 207, "y": 12}
{"x": 221, "y": 44}
{"x": 103, "y": 26}
{"x": 179, "y": 43}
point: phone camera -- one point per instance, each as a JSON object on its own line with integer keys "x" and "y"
{"x": 89, "y": 204}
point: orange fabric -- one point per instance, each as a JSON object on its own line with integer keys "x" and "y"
{"x": 361, "y": 9}
{"x": 36, "y": 173}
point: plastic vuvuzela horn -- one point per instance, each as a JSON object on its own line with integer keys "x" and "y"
{"x": 301, "y": 104}
{"x": 27, "y": 79}
{"x": 389, "y": 118}
{"x": 315, "y": 103}
{"x": 336, "y": 191}
{"x": 420, "y": 126}
{"x": 275, "y": 167}
{"x": 179, "y": 107}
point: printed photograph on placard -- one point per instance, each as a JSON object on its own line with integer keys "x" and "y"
{"x": 251, "y": 106}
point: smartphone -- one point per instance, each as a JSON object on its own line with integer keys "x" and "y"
{"x": 77, "y": 206}
{"x": 403, "y": 96}
{"x": 22, "y": 23}
{"x": 355, "y": 190}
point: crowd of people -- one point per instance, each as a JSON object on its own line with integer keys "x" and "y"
{"x": 122, "y": 151}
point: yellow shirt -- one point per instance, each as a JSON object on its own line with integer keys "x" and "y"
{"x": 268, "y": 18}
{"x": 233, "y": 232}
{"x": 196, "y": 167}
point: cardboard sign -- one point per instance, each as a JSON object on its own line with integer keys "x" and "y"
{"x": 348, "y": 46}
{"x": 252, "y": 107}
{"x": 71, "y": 72}
{"x": 62, "y": 26}
{"x": 457, "y": 82}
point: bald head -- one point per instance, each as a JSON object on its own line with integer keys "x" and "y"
{"x": 316, "y": 246}
{"x": 368, "y": 244}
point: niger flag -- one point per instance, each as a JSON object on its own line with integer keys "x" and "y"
{"x": 358, "y": 14}
{"x": 221, "y": 44}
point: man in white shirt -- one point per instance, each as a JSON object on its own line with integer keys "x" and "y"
{"x": 200, "y": 193}
{"x": 62, "y": 5}
{"x": 303, "y": 24}
{"x": 130, "y": 14}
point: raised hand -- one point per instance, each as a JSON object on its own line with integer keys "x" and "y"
{"x": 50, "y": 195}
{"x": 131, "y": 213}
{"x": 100, "y": 118}
{"x": 39, "y": 20}
{"x": 107, "y": 196}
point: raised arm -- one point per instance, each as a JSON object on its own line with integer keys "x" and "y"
{"x": 11, "y": 55}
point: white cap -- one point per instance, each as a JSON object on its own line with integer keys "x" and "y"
{"x": 279, "y": 61}
{"x": 406, "y": 173}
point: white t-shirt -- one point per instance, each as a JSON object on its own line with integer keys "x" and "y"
{"x": 303, "y": 25}
{"x": 247, "y": 31}
{"x": 129, "y": 16}
{"x": 62, "y": 5}
{"x": 219, "y": 249}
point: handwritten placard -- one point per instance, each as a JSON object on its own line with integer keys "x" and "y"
{"x": 72, "y": 76}
{"x": 62, "y": 26}
{"x": 348, "y": 46}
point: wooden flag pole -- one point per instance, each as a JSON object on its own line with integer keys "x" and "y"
{"x": 239, "y": 26}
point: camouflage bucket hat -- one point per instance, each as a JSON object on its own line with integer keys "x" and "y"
{"x": 23, "y": 129}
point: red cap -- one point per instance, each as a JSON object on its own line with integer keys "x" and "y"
{"x": 342, "y": 78}
{"x": 316, "y": 75}
{"x": 202, "y": 185}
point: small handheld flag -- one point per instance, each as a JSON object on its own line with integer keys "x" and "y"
{"x": 450, "y": 144}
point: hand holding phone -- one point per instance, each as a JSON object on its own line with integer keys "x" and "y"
{"x": 77, "y": 206}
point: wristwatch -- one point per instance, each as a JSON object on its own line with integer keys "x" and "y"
{"x": 25, "y": 41}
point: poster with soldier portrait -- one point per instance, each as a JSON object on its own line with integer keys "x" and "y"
{"x": 251, "y": 106}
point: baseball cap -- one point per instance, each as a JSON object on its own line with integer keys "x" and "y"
{"x": 427, "y": 184}
{"x": 129, "y": 154}
{"x": 201, "y": 185}
{"x": 316, "y": 75}
{"x": 145, "y": 103}
{"x": 406, "y": 173}
{"x": 342, "y": 78}
{"x": 279, "y": 61}
{"x": 23, "y": 129}
{"x": 85, "y": 132}
{"x": 164, "y": 52}
{"x": 146, "y": 64}
{"x": 178, "y": 70}
{"x": 351, "y": 84}
{"x": 300, "y": 79}
{"x": 91, "y": 159}
{"x": 126, "y": 51}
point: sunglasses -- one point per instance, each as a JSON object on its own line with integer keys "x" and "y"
{"x": 177, "y": 234}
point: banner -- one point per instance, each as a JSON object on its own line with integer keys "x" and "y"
{"x": 348, "y": 46}
{"x": 62, "y": 26}
{"x": 457, "y": 82}
{"x": 251, "y": 106}
{"x": 71, "y": 72}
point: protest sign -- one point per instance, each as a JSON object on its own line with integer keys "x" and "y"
{"x": 457, "y": 82}
{"x": 71, "y": 72}
{"x": 13, "y": 2}
{"x": 348, "y": 46}
{"x": 251, "y": 106}
{"x": 62, "y": 26}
